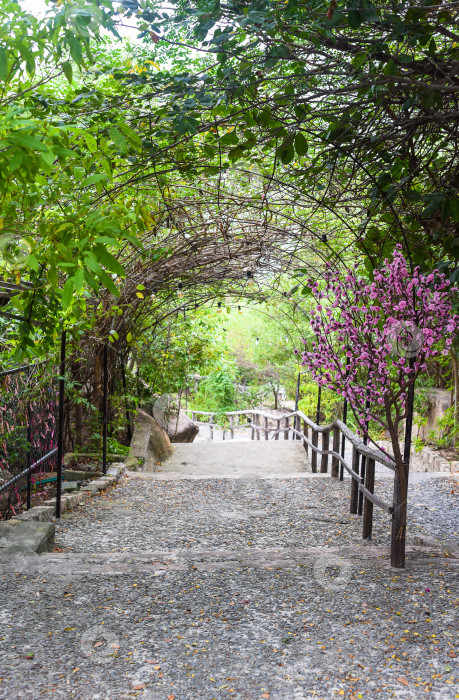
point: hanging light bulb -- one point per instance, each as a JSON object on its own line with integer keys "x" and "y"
{"x": 249, "y": 278}
{"x": 180, "y": 290}
{"x": 324, "y": 238}
{"x": 257, "y": 341}
{"x": 196, "y": 305}
{"x": 219, "y": 307}
{"x": 239, "y": 309}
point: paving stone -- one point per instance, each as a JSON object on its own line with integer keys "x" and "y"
{"x": 239, "y": 588}
{"x": 20, "y": 536}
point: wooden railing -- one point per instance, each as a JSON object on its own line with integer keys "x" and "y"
{"x": 297, "y": 425}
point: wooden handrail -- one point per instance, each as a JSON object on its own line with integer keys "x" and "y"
{"x": 355, "y": 440}
{"x": 360, "y": 448}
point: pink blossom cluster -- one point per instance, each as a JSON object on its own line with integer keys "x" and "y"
{"x": 365, "y": 333}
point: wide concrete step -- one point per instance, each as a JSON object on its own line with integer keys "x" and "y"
{"x": 230, "y": 459}
{"x": 73, "y": 564}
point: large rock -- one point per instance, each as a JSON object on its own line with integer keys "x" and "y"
{"x": 149, "y": 436}
{"x": 177, "y": 425}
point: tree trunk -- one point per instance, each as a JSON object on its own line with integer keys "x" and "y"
{"x": 398, "y": 540}
{"x": 399, "y": 517}
{"x": 96, "y": 397}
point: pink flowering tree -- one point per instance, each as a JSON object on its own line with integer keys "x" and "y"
{"x": 372, "y": 340}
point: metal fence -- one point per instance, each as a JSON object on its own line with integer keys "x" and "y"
{"x": 28, "y": 434}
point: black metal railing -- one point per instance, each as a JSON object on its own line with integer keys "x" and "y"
{"x": 28, "y": 433}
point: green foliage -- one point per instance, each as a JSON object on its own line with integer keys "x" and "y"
{"x": 116, "y": 448}
{"x": 446, "y": 433}
{"x": 331, "y": 404}
{"x": 218, "y": 390}
{"x": 263, "y": 339}
{"x": 174, "y": 352}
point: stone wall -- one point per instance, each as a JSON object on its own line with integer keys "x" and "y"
{"x": 439, "y": 402}
{"x": 427, "y": 460}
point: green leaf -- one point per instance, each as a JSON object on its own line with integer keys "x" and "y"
{"x": 286, "y": 153}
{"x": 91, "y": 179}
{"x": 68, "y": 70}
{"x": 26, "y": 140}
{"x": 301, "y": 145}
{"x": 67, "y": 293}
{"x": 133, "y": 138}
{"x": 78, "y": 279}
{"x": 453, "y": 206}
{"x": 91, "y": 281}
{"x": 390, "y": 68}
{"x": 90, "y": 141}
{"x": 108, "y": 260}
{"x": 15, "y": 161}
{"x": 354, "y": 19}
{"x": 108, "y": 282}
{"x": 118, "y": 138}
{"x": 76, "y": 50}
{"x": 230, "y": 139}
{"x": 3, "y": 63}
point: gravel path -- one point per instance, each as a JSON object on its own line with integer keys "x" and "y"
{"x": 234, "y": 588}
{"x": 144, "y": 514}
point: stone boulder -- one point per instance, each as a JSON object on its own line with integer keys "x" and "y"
{"x": 149, "y": 436}
{"x": 176, "y": 423}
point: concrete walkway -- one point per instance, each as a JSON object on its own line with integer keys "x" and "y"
{"x": 227, "y": 459}
{"x": 241, "y": 579}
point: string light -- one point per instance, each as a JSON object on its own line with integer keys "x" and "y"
{"x": 239, "y": 309}
{"x": 324, "y": 238}
{"x": 219, "y": 307}
{"x": 180, "y": 290}
{"x": 257, "y": 341}
{"x": 249, "y": 278}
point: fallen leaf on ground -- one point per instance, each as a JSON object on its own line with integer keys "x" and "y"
{"x": 402, "y": 680}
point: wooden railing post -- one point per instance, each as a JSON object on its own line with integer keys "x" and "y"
{"x": 258, "y": 426}
{"x": 306, "y": 433}
{"x": 324, "y": 460}
{"x": 211, "y": 428}
{"x": 193, "y": 416}
{"x": 335, "y": 460}
{"x": 354, "y": 483}
{"x": 315, "y": 442}
{"x": 231, "y": 422}
{"x": 266, "y": 428}
{"x": 287, "y": 428}
{"x": 367, "y": 528}
{"x": 277, "y": 429}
